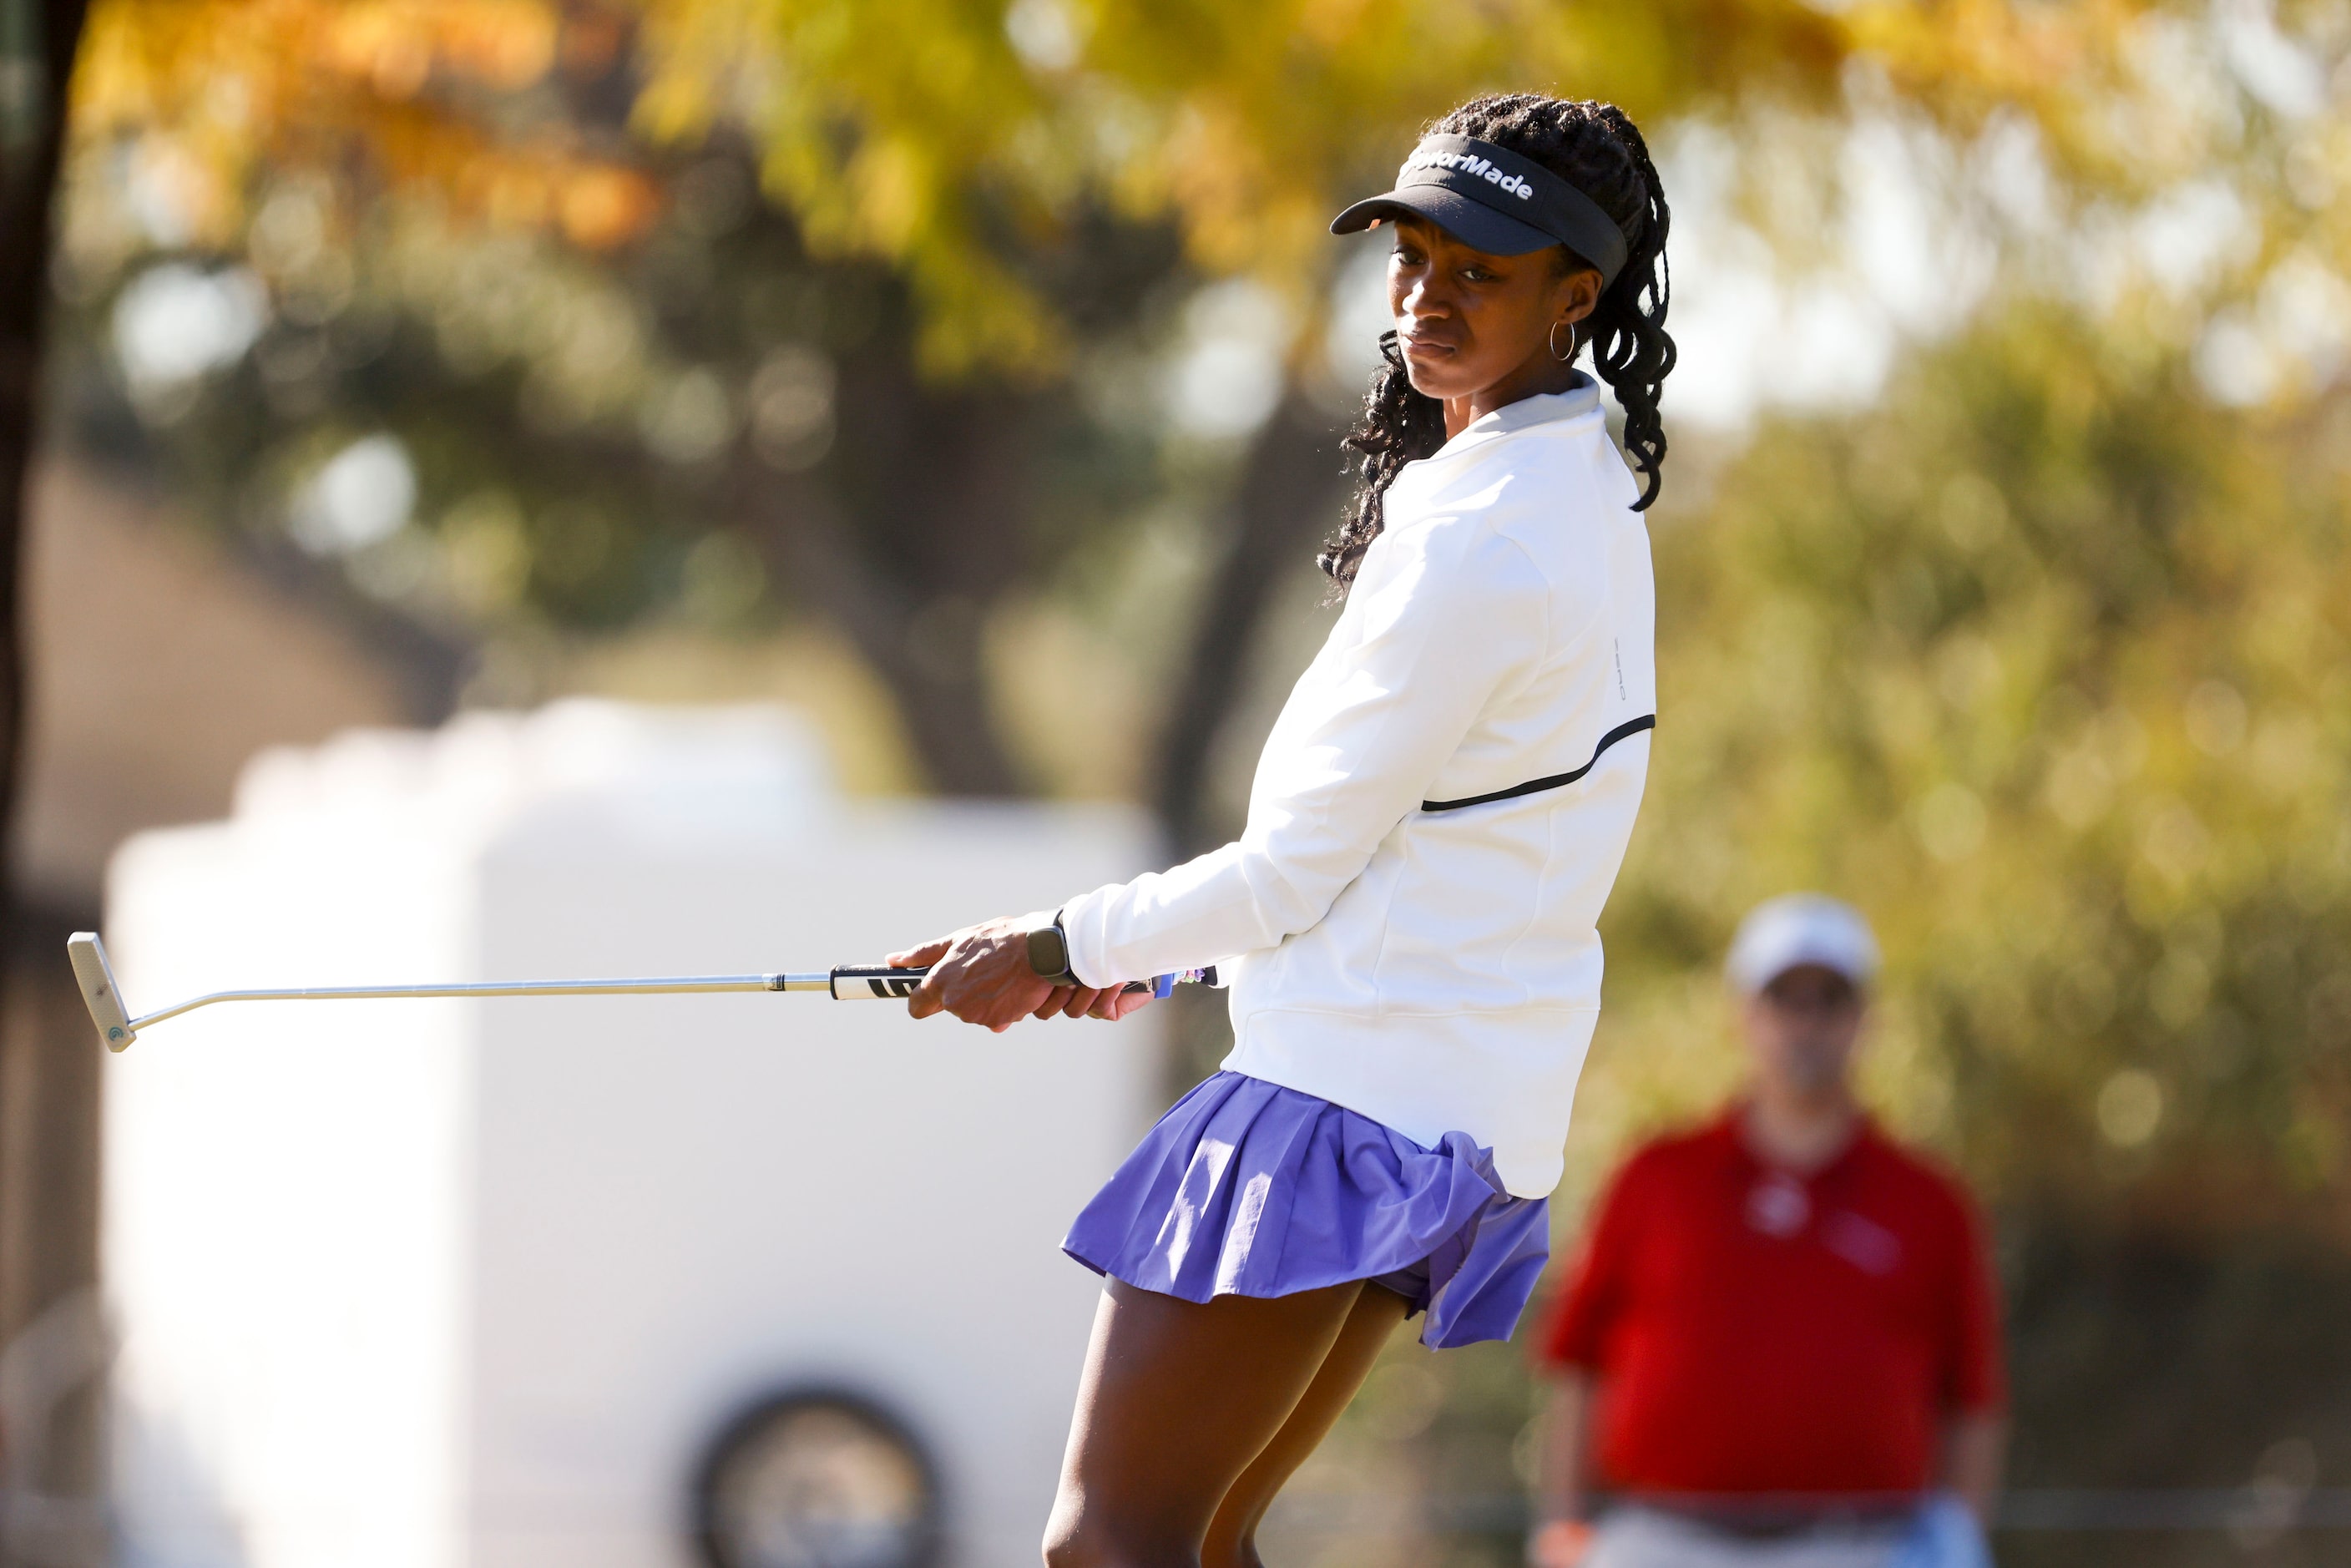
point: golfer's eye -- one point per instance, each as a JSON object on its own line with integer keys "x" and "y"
{"x": 1477, "y": 275}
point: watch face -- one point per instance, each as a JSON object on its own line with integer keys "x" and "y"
{"x": 1048, "y": 951}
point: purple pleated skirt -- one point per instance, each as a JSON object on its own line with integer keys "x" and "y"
{"x": 1245, "y": 1188}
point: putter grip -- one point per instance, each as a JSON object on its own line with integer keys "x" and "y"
{"x": 878, "y": 983}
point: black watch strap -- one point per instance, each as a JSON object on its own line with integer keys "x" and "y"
{"x": 1048, "y": 953}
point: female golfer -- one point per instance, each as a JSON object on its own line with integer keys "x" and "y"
{"x": 1406, "y": 923}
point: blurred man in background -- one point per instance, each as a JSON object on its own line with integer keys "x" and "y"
{"x": 1780, "y": 1344}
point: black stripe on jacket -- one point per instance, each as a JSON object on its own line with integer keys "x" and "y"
{"x": 1630, "y": 727}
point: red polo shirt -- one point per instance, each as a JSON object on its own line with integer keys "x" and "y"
{"x": 1758, "y": 1332}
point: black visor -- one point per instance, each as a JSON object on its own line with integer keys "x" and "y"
{"x": 1490, "y": 199}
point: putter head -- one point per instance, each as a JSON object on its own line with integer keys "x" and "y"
{"x": 98, "y": 992}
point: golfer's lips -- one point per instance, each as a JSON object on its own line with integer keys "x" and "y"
{"x": 1424, "y": 345}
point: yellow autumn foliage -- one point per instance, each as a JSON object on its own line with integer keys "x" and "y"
{"x": 207, "y": 93}
{"x": 921, "y": 131}
{"x": 898, "y": 127}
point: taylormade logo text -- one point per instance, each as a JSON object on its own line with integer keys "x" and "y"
{"x": 1468, "y": 164}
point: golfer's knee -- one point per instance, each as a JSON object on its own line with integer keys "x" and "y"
{"x": 1089, "y": 1540}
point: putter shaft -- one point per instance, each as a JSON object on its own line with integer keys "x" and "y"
{"x": 657, "y": 987}
{"x": 846, "y": 982}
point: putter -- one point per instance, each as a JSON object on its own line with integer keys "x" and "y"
{"x": 844, "y": 982}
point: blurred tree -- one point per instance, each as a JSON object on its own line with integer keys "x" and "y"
{"x": 925, "y": 131}
{"x": 598, "y": 422}
{"x": 39, "y": 39}
{"x": 37, "y": 45}
{"x": 706, "y": 427}
{"x": 983, "y": 158}
{"x": 337, "y": 89}
{"x": 475, "y": 104}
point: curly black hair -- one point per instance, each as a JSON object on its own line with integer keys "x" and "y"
{"x": 1597, "y": 148}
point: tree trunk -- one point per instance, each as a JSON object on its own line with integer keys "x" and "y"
{"x": 49, "y": 1333}
{"x": 1287, "y": 500}
{"x": 925, "y": 647}
{"x": 32, "y": 145}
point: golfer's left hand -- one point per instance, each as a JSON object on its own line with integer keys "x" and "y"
{"x": 981, "y": 975}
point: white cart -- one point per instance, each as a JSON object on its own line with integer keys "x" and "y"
{"x": 424, "y": 1284}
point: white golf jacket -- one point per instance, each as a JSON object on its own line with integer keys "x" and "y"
{"x": 1440, "y": 810}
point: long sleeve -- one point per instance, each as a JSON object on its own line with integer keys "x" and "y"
{"x": 1446, "y": 614}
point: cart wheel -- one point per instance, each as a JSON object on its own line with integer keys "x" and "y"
{"x": 816, "y": 1478}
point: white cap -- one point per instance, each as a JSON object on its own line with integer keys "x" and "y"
{"x": 1798, "y": 928}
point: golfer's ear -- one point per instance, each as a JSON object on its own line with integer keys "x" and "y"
{"x": 1580, "y": 292}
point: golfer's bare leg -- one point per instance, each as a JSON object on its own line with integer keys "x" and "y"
{"x": 1232, "y": 1534}
{"x": 1177, "y": 1400}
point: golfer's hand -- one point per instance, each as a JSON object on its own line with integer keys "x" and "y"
{"x": 981, "y": 975}
{"x": 1562, "y": 1543}
{"x": 1113, "y": 1002}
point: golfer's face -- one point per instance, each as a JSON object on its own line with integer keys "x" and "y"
{"x": 1803, "y": 1027}
{"x": 1465, "y": 320}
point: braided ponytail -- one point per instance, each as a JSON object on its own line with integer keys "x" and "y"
{"x": 1596, "y": 148}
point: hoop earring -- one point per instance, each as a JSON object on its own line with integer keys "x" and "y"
{"x": 1554, "y": 342}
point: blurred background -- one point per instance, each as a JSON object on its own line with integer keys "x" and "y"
{"x": 967, "y": 377}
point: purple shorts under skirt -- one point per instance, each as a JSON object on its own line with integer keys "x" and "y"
{"x": 1245, "y": 1188}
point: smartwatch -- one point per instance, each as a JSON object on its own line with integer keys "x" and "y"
{"x": 1049, "y": 952}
